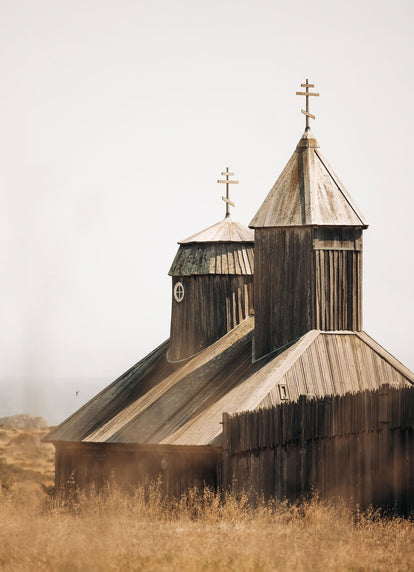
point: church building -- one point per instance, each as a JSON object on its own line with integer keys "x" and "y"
{"x": 259, "y": 316}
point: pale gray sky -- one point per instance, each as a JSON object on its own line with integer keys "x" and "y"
{"x": 116, "y": 118}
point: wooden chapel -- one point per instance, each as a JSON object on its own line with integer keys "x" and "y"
{"x": 260, "y": 316}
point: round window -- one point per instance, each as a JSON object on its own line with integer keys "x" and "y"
{"x": 178, "y": 292}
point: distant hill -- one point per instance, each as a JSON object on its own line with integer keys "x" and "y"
{"x": 23, "y": 421}
{"x": 25, "y": 461}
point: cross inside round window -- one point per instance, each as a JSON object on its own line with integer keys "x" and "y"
{"x": 178, "y": 292}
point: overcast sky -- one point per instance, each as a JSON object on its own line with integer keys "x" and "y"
{"x": 116, "y": 118}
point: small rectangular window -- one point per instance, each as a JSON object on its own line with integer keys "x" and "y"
{"x": 283, "y": 392}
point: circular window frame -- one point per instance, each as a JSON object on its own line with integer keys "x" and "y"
{"x": 179, "y": 292}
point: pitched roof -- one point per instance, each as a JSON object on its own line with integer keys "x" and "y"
{"x": 157, "y": 402}
{"x": 308, "y": 193}
{"x": 227, "y": 230}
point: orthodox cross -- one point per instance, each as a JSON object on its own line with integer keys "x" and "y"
{"x": 228, "y": 182}
{"x": 307, "y": 93}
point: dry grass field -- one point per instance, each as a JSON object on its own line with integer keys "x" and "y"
{"x": 25, "y": 462}
{"x": 201, "y": 531}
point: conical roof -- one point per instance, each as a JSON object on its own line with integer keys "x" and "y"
{"x": 308, "y": 193}
{"x": 227, "y": 247}
{"x": 227, "y": 230}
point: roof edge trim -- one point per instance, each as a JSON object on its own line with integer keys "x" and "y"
{"x": 382, "y": 352}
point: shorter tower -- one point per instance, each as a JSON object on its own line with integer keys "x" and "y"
{"x": 212, "y": 285}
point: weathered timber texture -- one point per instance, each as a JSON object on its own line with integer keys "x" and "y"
{"x": 211, "y": 307}
{"x": 283, "y": 282}
{"x": 230, "y": 258}
{"x": 216, "y": 268}
{"x": 358, "y": 446}
{"x": 160, "y": 403}
{"x": 96, "y": 464}
{"x": 308, "y": 193}
{"x": 337, "y": 363}
{"x": 306, "y": 278}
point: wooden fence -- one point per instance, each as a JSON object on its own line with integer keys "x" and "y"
{"x": 358, "y": 446}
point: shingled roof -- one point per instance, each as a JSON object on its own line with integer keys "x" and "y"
{"x": 157, "y": 402}
{"x": 227, "y": 247}
{"x": 308, "y": 193}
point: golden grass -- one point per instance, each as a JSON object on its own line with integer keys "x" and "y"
{"x": 24, "y": 460}
{"x": 200, "y": 531}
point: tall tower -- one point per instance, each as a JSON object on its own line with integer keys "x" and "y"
{"x": 212, "y": 284}
{"x": 308, "y": 251}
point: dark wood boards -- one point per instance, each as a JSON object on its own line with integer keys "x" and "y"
{"x": 211, "y": 307}
{"x": 283, "y": 294}
{"x": 338, "y": 238}
{"x": 175, "y": 468}
{"x": 338, "y": 276}
{"x": 357, "y": 446}
{"x": 306, "y": 278}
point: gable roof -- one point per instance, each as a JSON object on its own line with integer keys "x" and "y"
{"x": 227, "y": 230}
{"x": 308, "y": 193}
{"x": 157, "y": 402}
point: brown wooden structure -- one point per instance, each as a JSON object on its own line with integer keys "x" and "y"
{"x": 358, "y": 446}
{"x": 308, "y": 253}
{"x": 301, "y": 336}
{"x": 214, "y": 270}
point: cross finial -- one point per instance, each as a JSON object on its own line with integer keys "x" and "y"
{"x": 228, "y": 182}
{"x": 307, "y": 93}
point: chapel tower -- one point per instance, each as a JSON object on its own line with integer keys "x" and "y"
{"x": 308, "y": 251}
{"x": 212, "y": 284}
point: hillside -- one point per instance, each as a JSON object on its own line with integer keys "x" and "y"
{"x": 23, "y": 421}
{"x": 25, "y": 462}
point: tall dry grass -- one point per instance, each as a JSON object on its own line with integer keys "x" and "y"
{"x": 203, "y": 530}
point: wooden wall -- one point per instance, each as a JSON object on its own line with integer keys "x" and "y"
{"x": 283, "y": 286}
{"x": 95, "y": 464}
{"x": 305, "y": 278}
{"x": 337, "y": 260}
{"x": 212, "y": 306}
{"x": 357, "y": 446}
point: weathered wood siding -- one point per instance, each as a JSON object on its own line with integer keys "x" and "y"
{"x": 306, "y": 279}
{"x": 338, "y": 278}
{"x": 283, "y": 286}
{"x": 212, "y": 306}
{"x": 357, "y": 446}
{"x": 94, "y": 464}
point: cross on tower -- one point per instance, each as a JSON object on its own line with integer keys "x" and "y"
{"x": 228, "y": 182}
{"x": 307, "y": 93}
